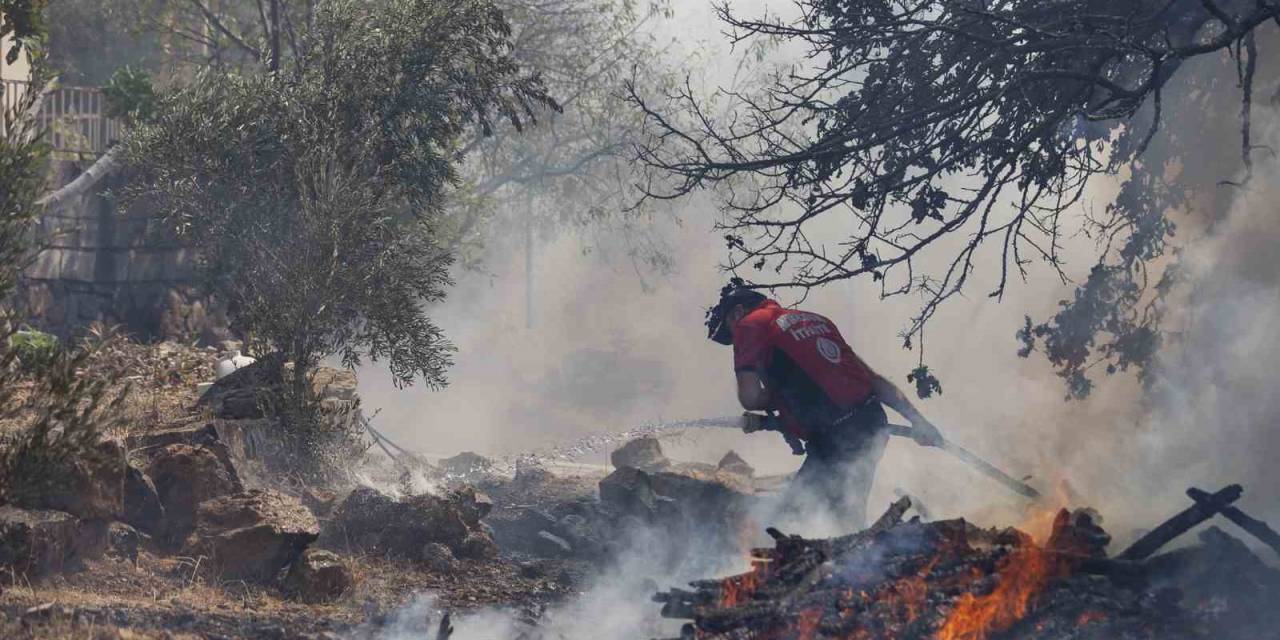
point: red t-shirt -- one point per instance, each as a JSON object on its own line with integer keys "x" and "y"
{"x": 813, "y": 345}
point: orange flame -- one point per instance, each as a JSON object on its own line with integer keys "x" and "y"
{"x": 1024, "y": 574}
{"x": 807, "y": 624}
{"x": 1090, "y": 617}
{"x": 736, "y": 590}
{"x": 913, "y": 591}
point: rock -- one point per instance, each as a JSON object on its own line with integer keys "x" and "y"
{"x": 438, "y": 558}
{"x": 46, "y": 611}
{"x": 530, "y": 475}
{"x": 123, "y": 541}
{"x": 319, "y": 501}
{"x": 242, "y": 395}
{"x": 517, "y": 528}
{"x": 89, "y": 487}
{"x": 374, "y": 522}
{"x": 471, "y": 504}
{"x": 142, "y": 507}
{"x": 251, "y": 535}
{"x": 242, "y": 404}
{"x": 575, "y": 527}
{"x": 186, "y": 476}
{"x": 533, "y": 570}
{"x": 39, "y": 542}
{"x": 705, "y": 498}
{"x": 478, "y": 545}
{"x": 148, "y": 443}
{"x": 733, "y": 463}
{"x": 318, "y": 576}
{"x": 554, "y": 545}
{"x": 466, "y": 464}
{"x": 644, "y": 454}
{"x": 629, "y": 491}
{"x": 332, "y": 384}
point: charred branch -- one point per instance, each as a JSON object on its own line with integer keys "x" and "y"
{"x": 1179, "y": 524}
{"x": 1259, "y": 529}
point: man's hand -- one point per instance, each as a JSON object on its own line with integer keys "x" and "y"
{"x": 924, "y": 433}
{"x": 753, "y": 422}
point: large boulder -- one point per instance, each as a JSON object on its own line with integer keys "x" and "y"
{"x": 123, "y": 541}
{"x": 733, "y": 463}
{"x": 629, "y": 491}
{"x": 88, "y": 486}
{"x": 317, "y": 576}
{"x": 242, "y": 394}
{"x": 142, "y": 507}
{"x": 517, "y": 528}
{"x": 39, "y": 542}
{"x": 334, "y": 387}
{"x": 251, "y": 535}
{"x": 145, "y": 444}
{"x": 644, "y": 454}
{"x": 466, "y": 464}
{"x": 471, "y": 504}
{"x": 707, "y": 498}
{"x": 373, "y": 522}
{"x": 248, "y": 393}
{"x": 186, "y": 476}
{"x": 438, "y": 558}
{"x": 320, "y": 501}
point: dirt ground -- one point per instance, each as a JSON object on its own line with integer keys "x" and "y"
{"x": 169, "y": 598}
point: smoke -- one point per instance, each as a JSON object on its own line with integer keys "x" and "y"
{"x": 606, "y": 347}
{"x": 615, "y": 605}
{"x": 1217, "y": 408}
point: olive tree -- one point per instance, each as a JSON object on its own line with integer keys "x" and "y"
{"x": 313, "y": 195}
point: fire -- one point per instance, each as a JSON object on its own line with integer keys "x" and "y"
{"x": 736, "y": 590}
{"x": 910, "y": 594}
{"x": 1024, "y": 574}
{"x": 1090, "y": 617}
{"x": 807, "y": 624}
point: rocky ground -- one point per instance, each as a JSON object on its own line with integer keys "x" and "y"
{"x": 187, "y": 531}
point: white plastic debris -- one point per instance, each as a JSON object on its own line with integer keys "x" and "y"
{"x": 232, "y": 364}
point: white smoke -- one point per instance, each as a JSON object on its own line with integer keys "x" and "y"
{"x": 605, "y": 353}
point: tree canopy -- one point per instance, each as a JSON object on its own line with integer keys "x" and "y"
{"x": 312, "y": 195}
{"x": 940, "y": 128}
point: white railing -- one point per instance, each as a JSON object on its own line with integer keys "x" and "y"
{"x": 73, "y": 119}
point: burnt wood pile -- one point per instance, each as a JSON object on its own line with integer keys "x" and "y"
{"x": 950, "y": 580}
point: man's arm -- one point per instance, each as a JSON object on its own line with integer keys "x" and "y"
{"x": 752, "y": 392}
{"x": 922, "y": 430}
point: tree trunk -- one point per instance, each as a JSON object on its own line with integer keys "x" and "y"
{"x": 301, "y": 391}
{"x": 86, "y": 181}
{"x": 273, "y": 60}
{"x": 528, "y": 273}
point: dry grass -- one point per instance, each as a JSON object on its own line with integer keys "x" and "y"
{"x": 162, "y": 594}
{"x": 160, "y": 378}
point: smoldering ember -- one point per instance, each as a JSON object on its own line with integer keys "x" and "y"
{"x": 606, "y": 319}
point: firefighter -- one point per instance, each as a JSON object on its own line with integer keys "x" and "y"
{"x": 828, "y": 401}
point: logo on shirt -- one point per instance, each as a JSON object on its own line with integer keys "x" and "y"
{"x": 829, "y": 350}
{"x": 786, "y": 321}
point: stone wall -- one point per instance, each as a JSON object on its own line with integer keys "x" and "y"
{"x": 99, "y": 264}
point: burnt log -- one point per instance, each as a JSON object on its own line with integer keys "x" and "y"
{"x": 1181, "y": 523}
{"x": 1259, "y": 529}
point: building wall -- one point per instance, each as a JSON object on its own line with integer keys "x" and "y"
{"x": 99, "y": 264}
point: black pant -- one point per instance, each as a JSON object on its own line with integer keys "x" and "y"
{"x": 842, "y": 452}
